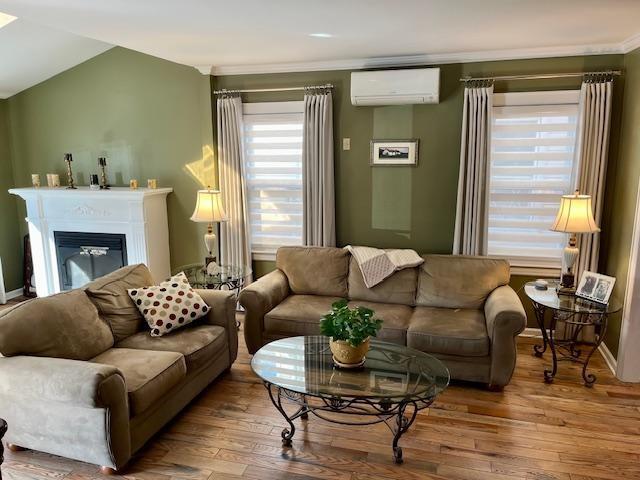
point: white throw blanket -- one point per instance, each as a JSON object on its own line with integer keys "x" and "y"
{"x": 377, "y": 264}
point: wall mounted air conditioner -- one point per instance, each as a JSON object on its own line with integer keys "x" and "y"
{"x": 396, "y": 87}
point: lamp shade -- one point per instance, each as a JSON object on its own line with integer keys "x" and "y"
{"x": 209, "y": 207}
{"x": 575, "y": 215}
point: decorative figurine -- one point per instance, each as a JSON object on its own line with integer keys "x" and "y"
{"x": 102, "y": 162}
{"x": 71, "y": 184}
{"x": 93, "y": 182}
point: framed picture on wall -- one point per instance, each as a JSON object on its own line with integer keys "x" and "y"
{"x": 394, "y": 152}
{"x": 596, "y": 287}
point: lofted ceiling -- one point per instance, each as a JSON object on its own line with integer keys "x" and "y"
{"x": 31, "y": 53}
{"x": 245, "y": 36}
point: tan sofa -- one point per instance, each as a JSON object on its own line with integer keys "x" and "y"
{"x": 82, "y": 378}
{"x": 460, "y": 309}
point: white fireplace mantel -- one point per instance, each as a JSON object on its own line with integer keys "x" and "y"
{"x": 140, "y": 215}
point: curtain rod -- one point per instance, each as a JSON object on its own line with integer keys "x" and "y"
{"x": 541, "y": 76}
{"x": 260, "y": 90}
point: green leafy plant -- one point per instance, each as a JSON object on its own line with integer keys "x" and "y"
{"x": 353, "y": 325}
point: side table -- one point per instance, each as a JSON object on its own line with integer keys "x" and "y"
{"x": 576, "y": 313}
{"x": 228, "y": 277}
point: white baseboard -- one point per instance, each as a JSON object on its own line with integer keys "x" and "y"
{"x": 609, "y": 359}
{"x": 14, "y": 293}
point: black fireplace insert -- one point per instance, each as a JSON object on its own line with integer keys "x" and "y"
{"x": 83, "y": 257}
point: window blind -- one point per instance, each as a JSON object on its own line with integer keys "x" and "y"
{"x": 531, "y": 166}
{"x": 273, "y": 169}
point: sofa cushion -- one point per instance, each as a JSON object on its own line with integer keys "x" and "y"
{"x": 461, "y": 332}
{"x": 66, "y": 325}
{"x": 199, "y": 344}
{"x": 109, "y": 293}
{"x": 298, "y": 315}
{"x": 169, "y": 306}
{"x": 399, "y": 287}
{"x": 315, "y": 270}
{"x": 395, "y": 320}
{"x": 457, "y": 281}
{"x": 148, "y": 375}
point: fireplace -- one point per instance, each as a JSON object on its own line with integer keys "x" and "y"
{"x": 80, "y": 234}
{"x": 83, "y": 257}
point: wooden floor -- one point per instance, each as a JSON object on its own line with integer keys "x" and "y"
{"x": 530, "y": 431}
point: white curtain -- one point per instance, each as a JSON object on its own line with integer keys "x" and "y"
{"x": 473, "y": 180}
{"x": 318, "y": 180}
{"x": 234, "y": 233}
{"x": 593, "y": 146}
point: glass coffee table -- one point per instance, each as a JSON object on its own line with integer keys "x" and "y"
{"x": 392, "y": 386}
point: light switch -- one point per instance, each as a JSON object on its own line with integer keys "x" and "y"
{"x": 346, "y": 144}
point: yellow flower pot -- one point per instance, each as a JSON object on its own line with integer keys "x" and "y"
{"x": 346, "y": 354}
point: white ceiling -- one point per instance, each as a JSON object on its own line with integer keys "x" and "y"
{"x": 243, "y": 36}
{"x": 30, "y": 54}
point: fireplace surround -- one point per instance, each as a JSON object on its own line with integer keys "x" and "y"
{"x": 132, "y": 221}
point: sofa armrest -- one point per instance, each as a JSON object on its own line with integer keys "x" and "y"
{"x": 66, "y": 407}
{"x": 258, "y": 299}
{"x": 506, "y": 319}
{"x": 223, "y": 313}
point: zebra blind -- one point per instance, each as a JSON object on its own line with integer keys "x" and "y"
{"x": 273, "y": 170}
{"x": 532, "y": 164}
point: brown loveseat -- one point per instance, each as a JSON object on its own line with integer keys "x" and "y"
{"x": 83, "y": 378}
{"x": 458, "y": 308}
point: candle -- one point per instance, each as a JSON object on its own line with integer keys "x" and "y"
{"x": 55, "y": 180}
{"x": 152, "y": 183}
{"x": 133, "y": 184}
{"x": 50, "y": 180}
{"x": 35, "y": 180}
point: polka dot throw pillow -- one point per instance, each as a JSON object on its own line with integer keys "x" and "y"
{"x": 170, "y": 305}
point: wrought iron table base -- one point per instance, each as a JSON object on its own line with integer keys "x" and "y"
{"x": 567, "y": 349}
{"x": 398, "y": 416}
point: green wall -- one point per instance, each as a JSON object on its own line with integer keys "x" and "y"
{"x": 151, "y": 118}
{"x": 412, "y": 207}
{"x": 9, "y": 223}
{"x": 622, "y": 194}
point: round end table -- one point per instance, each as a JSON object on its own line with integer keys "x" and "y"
{"x": 575, "y": 314}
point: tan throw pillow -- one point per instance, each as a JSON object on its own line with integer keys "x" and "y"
{"x": 170, "y": 305}
{"x": 109, "y": 294}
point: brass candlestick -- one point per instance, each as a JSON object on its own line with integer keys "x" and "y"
{"x": 102, "y": 162}
{"x": 71, "y": 184}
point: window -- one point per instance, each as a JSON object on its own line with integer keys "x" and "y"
{"x": 531, "y": 165}
{"x": 273, "y": 169}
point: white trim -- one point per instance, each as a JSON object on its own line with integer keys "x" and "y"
{"x": 628, "y": 353}
{"x": 14, "y": 293}
{"x": 608, "y": 357}
{"x": 264, "y": 257}
{"x": 204, "y": 69}
{"x": 554, "y": 97}
{"x": 631, "y": 43}
{"x": 428, "y": 59}
{"x": 270, "y": 108}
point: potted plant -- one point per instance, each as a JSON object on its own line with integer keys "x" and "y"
{"x": 350, "y": 330}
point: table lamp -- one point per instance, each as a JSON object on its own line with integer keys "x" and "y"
{"x": 574, "y": 216}
{"x": 209, "y": 210}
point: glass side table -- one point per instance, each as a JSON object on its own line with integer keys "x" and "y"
{"x": 228, "y": 277}
{"x": 574, "y": 313}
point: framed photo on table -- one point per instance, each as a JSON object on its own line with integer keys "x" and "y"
{"x": 394, "y": 152}
{"x": 596, "y": 287}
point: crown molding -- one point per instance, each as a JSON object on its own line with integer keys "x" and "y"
{"x": 431, "y": 59}
{"x": 204, "y": 69}
{"x": 631, "y": 43}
